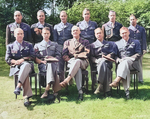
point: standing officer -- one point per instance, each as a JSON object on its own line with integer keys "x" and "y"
{"x": 42, "y": 50}
{"x": 112, "y": 28}
{"x": 15, "y": 55}
{"x": 36, "y": 29}
{"x": 62, "y": 32}
{"x": 139, "y": 33}
{"x": 98, "y": 49}
{"x": 71, "y": 52}
{"x": 130, "y": 52}
{"x": 87, "y": 26}
{"x": 17, "y": 24}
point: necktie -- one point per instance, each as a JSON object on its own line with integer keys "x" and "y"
{"x": 18, "y": 25}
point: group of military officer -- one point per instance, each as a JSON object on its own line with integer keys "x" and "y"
{"x": 76, "y": 45}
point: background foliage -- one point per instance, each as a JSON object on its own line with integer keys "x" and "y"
{"x": 99, "y": 11}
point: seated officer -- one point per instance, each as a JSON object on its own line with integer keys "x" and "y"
{"x": 98, "y": 49}
{"x": 111, "y": 29}
{"x": 43, "y": 49}
{"x": 130, "y": 51}
{"x": 18, "y": 24}
{"x": 76, "y": 61}
{"x": 36, "y": 28}
{"x": 16, "y": 54}
{"x": 87, "y": 26}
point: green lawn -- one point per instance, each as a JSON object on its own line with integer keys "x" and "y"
{"x": 93, "y": 106}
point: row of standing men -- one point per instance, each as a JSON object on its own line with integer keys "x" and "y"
{"x": 62, "y": 31}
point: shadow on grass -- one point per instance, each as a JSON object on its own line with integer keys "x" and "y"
{"x": 71, "y": 95}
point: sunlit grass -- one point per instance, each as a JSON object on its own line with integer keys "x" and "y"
{"x": 93, "y": 106}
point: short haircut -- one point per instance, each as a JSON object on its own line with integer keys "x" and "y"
{"x": 75, "y": 27}
{"x": 124, "y": 28}
{"x": 86, "y": 9}
{"x": 63, "y": 11}
{"x": 46, "y": 28}
{"x": 40, "y": 11}
{"x": 97, "y": 29}
{"x": 112, "y": 11}
{"x": 132, "y": 15}
{"x": 17, "y": 11}
{"x": 17, "y": 29}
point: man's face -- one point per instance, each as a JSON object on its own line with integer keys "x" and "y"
{"x": 133, "y": 20}
{"x": 41, "y": 17}
{"x": 112, "y": 16}
{"x": 17, "y": 17}
{"x": 63, "y": 17}
{"x": 19, "y": 34}
{"x": 99, "y": 34}
{"x": 46, "y": 34}
{"x": 124, "y": 33}
{"x": 86, "y": 15}
{"x": 75, "y": 32}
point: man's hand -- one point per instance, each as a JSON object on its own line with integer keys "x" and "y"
{"x": 144, "y": 51}
{"x": 66, "y": 58}
{"x": 75, "y": 55}
{"x": 43, "y": 62}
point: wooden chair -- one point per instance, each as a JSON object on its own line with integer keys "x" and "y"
{"x": 42, "y": 80}
{"x": 135, "y": 76}
{"x": 30, "y": 77}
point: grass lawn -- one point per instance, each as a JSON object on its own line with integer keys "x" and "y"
{"x": 93, "y": 106}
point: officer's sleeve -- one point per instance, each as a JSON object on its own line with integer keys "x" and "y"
{"x": 33, "y": 33}
{"x": 137, "y": 50}
{"x": 52, "y": 33}
{"x": 57, "y": 51}
{"x": 144, "y": 39}
{"x": 8, "y": 36}
{"x": 8, "y": 55}
{"x": 115, "y": 53}
{"x": 65, "y": 48}
{"x": 92, "y": 56}
{"x": 103, "y": 29}
{"x": 55, "y": 35}
{"x": 29, "y": 35}
{"x": 32, "y": 53}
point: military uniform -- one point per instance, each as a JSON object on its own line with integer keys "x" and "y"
{"x": 76, "y": 65}
{"x": 129, "y": 53}
{"x": 62, "y": 32}
{"x": 42, "y": 50}
{"x": 87, "y": 30}
{"x": 112, "y": 33}
{"x": 139, "y": 33}
{"x": 16, "y": 51}
{"x": 10, "y": 32}
{"x": 36, "y": 30}
{"x": 103, "y": 66}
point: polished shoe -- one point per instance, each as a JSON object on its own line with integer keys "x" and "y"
{"x": 114, "y": 84}
{"x": 97, "y": 89}
{"x": 57, "y": 96}
{"x": 142, "y": 82}
{"x": 127, "y": 94}
{"x": 80, "y": 97}
{"x": 17, "y": 91}
{"x": 27, "y": 102}
{"x": 45, "y": 94}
